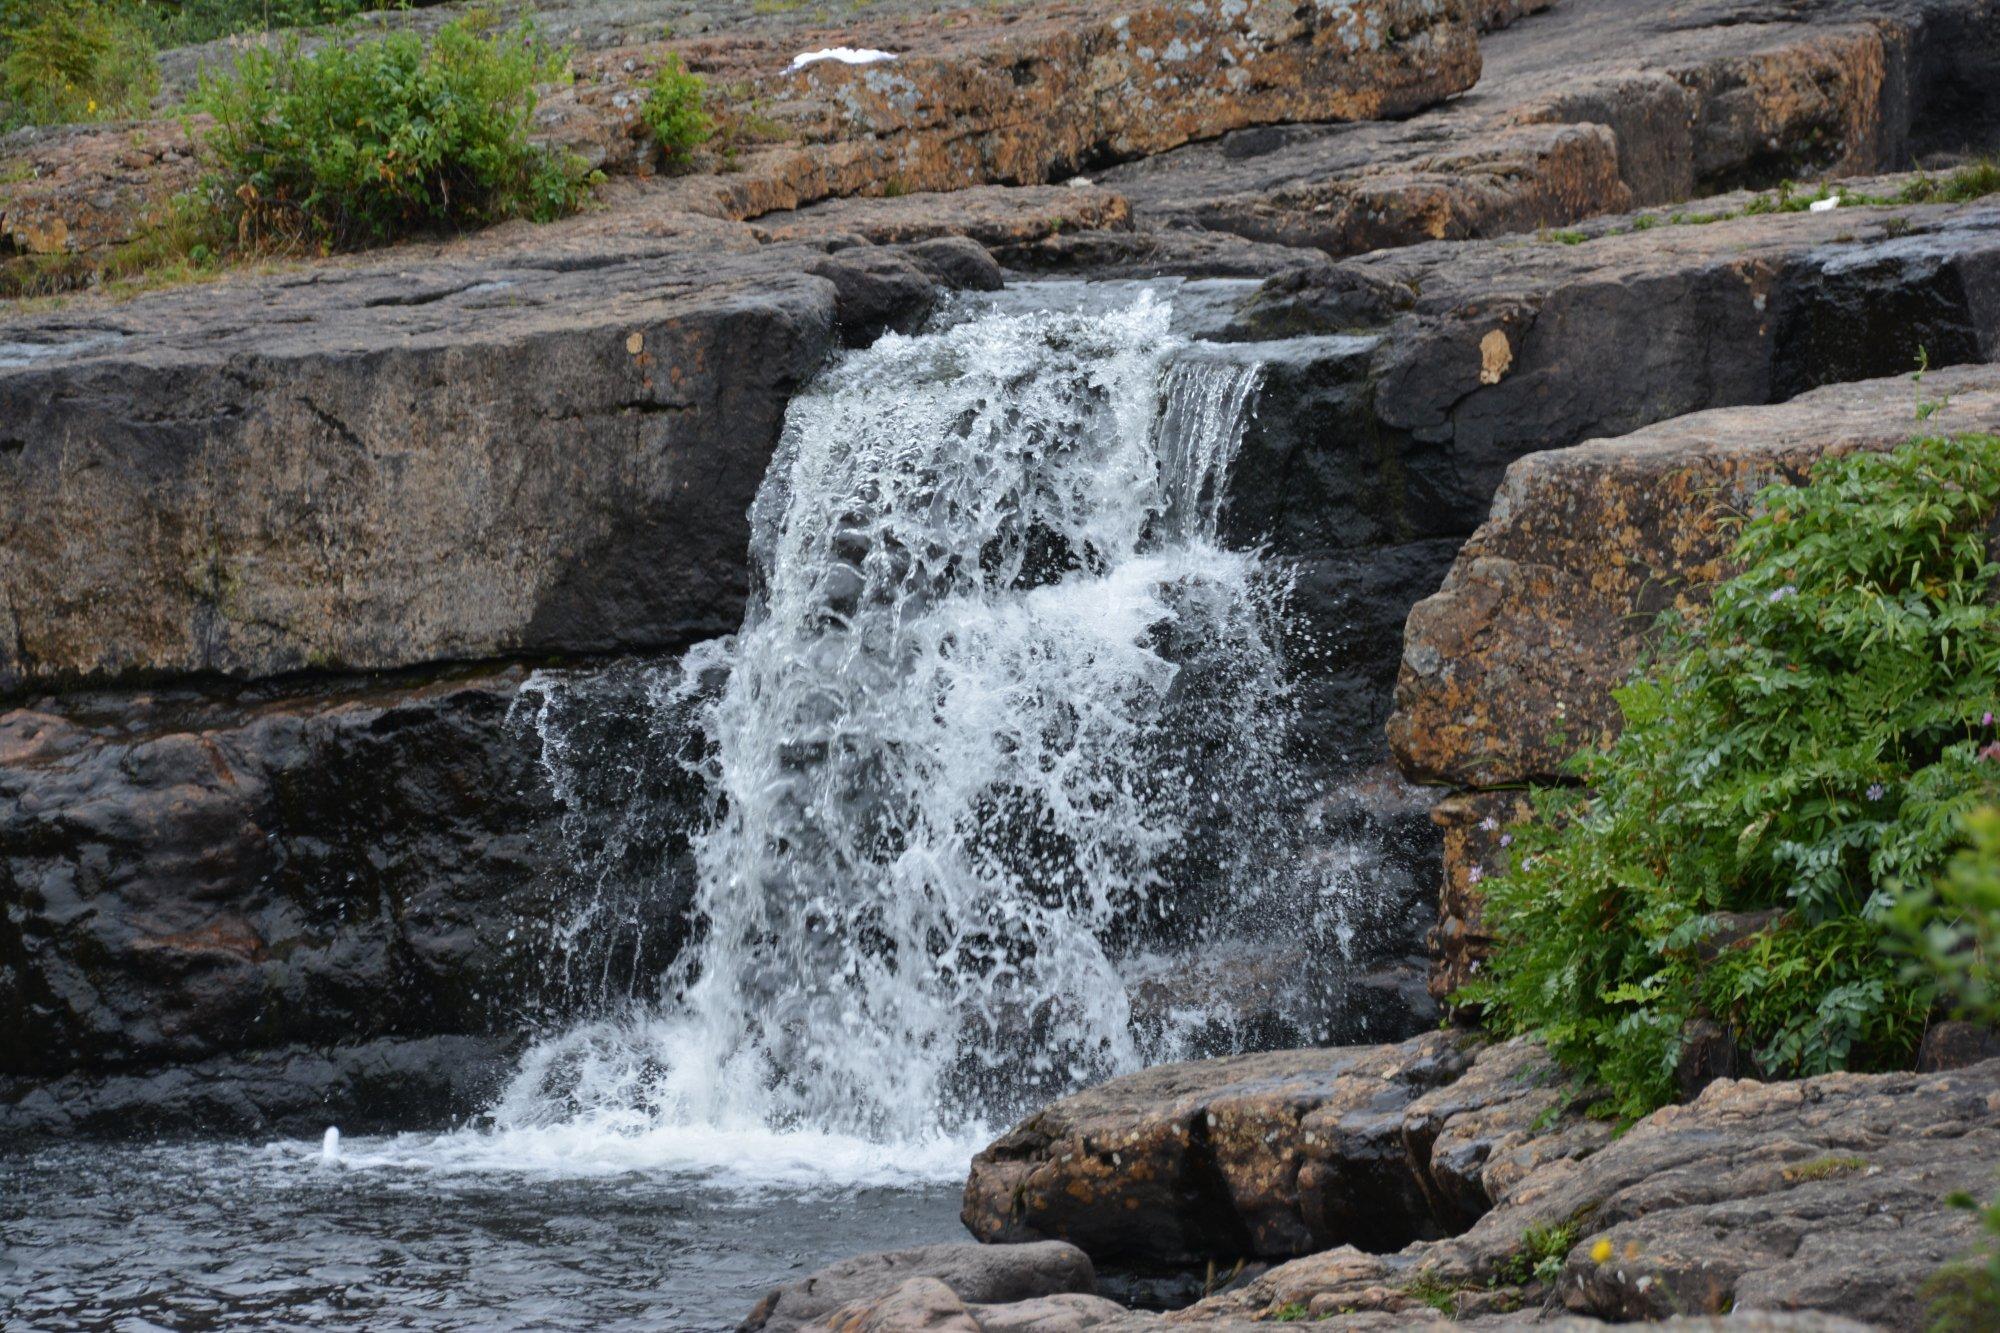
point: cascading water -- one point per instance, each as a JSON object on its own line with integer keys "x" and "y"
{"x": 1002, "y": 716}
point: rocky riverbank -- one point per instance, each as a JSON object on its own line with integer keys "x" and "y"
{"x": 1444, "y": 1180}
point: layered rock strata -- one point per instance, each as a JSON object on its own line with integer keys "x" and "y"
{"x": 1826, "y": 1195}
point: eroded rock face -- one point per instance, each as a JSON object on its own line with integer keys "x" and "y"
{"x": 383, "y": 1085}
{"x": 1508, "y": 670}
{"x": 197, "y": 876}
{"x": 1265, "y": 1156}
{"x": 1407, "y": 381}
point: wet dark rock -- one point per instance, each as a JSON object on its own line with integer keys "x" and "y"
{"x": 877, "y": 290}
{"x": 978, "y": 1274}
{"x": 193, "y": 876}
{"x": 378, "y": 1086}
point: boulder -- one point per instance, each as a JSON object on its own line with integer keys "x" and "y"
{"x": 1508, "y": 669}
{"x": 1278, "y": 1154}
{"x": 936, "y": 1279}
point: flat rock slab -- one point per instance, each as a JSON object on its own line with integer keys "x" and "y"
{"x": 1508, "y": 669}
{"x": 940, "y": 1274}
{"x": 382, "y": 464}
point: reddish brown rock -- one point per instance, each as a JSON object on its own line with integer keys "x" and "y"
{"x": 1016, "y": 96}
{"x": 1508, "y": 669}
{"x": 1475, "y": 835}
{"x": 1600, "y": 105}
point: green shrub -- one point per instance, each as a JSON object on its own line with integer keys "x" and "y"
{"x": 1953, "y": 927}
{"x": 362, "y": 143}
{"x": 63, "y": 61}
{"x": 674, "y": 112}
{"x": 1807, "y": 746}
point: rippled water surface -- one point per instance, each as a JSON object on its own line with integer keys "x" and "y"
{"x": 419, "y": 1233}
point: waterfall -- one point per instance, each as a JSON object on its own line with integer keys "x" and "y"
{"x": 1002, "y": 715}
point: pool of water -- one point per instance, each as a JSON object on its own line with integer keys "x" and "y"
{"x": 431, "y": 1232}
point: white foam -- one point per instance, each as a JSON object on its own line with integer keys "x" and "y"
{"x": 738, "y": 1159}
{"x": 846, "y": 55}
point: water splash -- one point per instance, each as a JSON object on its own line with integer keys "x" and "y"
{"x": 1002, "y": 715}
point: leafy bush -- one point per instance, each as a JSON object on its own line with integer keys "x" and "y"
{"x": 72, "y": 60}
{"x": 361, "y": 143}
{"x": 1953, "y": 927}
{"x": 674, "y": 112}
{"x": 1806, "y": 747}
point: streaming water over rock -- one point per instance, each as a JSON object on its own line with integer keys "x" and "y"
{"x": 1004, "y": 727}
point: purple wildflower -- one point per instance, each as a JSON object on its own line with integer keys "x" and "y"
{"x": 1987, "y": 721}
{"x": 1489, "y": 823}
{"x": 1506, "y": 840}
{"x": 1876, "y": 791}
{"x": 1474, "y": 875}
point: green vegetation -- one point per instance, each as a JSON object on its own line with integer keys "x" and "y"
{"x": 1290, "y": 1313}
{"x": 1786, "y": 764}
{"x": 1428, "y": 1289}
{"x": 358, "y": 144}
{"x": 63, "y": 61}
{"x": 1953, "y": 926}
{"x": 1967, "y": 1295}
{"x": 1824, "y": 1168}
{"x": 1541, "y": 1253}
{"x": 675, "y": 114}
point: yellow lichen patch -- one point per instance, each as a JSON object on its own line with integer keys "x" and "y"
{"x": 1496, "y": 357}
